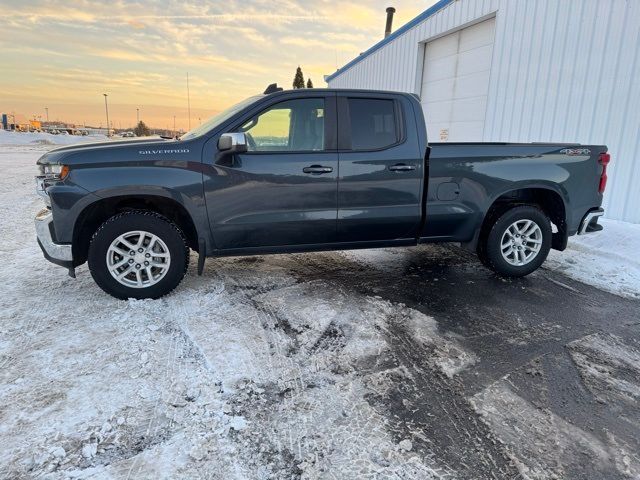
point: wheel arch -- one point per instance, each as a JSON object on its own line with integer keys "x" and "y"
{"x": 549, "y": 200}
{"x": 96, "y": 213}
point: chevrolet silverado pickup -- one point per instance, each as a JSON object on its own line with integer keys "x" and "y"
{"x": 308, "y": 170}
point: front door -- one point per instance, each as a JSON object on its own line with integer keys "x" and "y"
{"x": 283, "y": 190}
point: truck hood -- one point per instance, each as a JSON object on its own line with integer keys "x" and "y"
{"x": 90, "y": 152}
{"x": 109, "y": 143}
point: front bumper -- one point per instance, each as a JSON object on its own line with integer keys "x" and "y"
{"x": 57, "y": 253}
{"x": 589, "y": 223}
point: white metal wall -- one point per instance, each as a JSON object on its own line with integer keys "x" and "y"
{"x": 562, "y": 71}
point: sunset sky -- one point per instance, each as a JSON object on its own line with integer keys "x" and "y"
{"x": 64, "y": 55}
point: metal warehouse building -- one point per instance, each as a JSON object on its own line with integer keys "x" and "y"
{"x": 522, "y": 71}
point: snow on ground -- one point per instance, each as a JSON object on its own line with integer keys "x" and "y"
{"x": 541, "y": 442}
{"x": 253, "y": 372}
{"x": 609, "y": 259}
{"x": 609, "y": 367}
{"x": 42, "y": 138}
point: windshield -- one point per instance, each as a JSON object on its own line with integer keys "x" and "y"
{"x": 221, "y": 117}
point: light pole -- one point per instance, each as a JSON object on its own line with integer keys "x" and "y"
{"x": 46, "y": 109}
{"x": 106, "y": 109}
{"x": 137, "y": 116}
{"x": 188, "y": 101}
{"x": 174, "y": 125}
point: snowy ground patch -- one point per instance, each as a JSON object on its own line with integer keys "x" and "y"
{"x": 609, "y": 366}
{"x": 546, "y": 446}
{"x": 42, "y": 138}
{"x": 609, "y": 259}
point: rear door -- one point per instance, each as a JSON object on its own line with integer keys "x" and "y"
{"x": 283, "y": 191}
{"x": 381, "y": 168}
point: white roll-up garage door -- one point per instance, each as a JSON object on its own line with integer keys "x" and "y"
{"x": 455, "y": 83}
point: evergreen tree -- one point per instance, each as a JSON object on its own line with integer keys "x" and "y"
{"x": 298, "y": 80}
{"x": 141, "y": 130}
{"x": 309, "y": 84}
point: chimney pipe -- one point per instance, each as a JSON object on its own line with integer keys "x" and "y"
{"x": 387, "y": 29}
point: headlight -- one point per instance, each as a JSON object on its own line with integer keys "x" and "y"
{"x": 54, "y": 171}
{"x": 49, "y": 173}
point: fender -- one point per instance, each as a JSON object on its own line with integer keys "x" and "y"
{"x": 177, "y": 181}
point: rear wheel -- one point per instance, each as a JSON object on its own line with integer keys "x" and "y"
{"x": 138, "y": 254}
{"x": 518, "y": 242}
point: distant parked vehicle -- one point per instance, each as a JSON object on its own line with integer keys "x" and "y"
{"x": 128, "y": 135}
{"x": 309, "y": 170}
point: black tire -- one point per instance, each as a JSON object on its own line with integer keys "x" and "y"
{"x": 153, "y": 223}
{"x": 489, "y": 249}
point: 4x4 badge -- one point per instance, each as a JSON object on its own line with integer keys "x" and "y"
{"x": 576, "y": 151}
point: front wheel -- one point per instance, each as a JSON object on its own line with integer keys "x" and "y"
{"x": 138, "y": 254}
{"x": 518, "y": 242}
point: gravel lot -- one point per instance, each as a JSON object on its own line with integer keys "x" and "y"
{"x": 410, "y": 363}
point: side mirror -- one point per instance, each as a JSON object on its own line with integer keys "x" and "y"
{"x": 232, "y": 143}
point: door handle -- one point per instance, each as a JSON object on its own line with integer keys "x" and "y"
{"x": 317, "y": 169}
{"x": 401, "y": 167}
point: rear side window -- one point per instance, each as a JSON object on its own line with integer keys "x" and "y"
{"x": 373, "y": 123}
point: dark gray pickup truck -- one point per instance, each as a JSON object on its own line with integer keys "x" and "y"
{"x": 308, "y": 170}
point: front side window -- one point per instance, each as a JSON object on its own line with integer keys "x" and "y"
{"x": 373, "y": 123}
{"x": 294, "y": 125}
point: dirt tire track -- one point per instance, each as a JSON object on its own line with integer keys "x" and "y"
{"x": 428, "y": 401}
{"x": 272, "y": 323}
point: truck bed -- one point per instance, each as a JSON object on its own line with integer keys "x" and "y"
{"x": 466, "y": 179}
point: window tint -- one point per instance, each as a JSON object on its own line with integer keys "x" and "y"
{"x": 373, "y": 123}
{"x": 295, "y": 125}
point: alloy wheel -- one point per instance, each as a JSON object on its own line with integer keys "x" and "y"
{"x": 138, "y": 259}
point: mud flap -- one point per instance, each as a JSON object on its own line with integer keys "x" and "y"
{"x": 202, "y": 255}
{"x": 559, "y": 240}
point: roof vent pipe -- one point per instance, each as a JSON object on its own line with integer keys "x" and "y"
{"x": 387, "y": 29}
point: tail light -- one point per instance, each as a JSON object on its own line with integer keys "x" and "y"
{"x": 604, "y": 160}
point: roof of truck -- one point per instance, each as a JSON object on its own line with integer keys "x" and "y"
{"x": 339, "y": 90}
